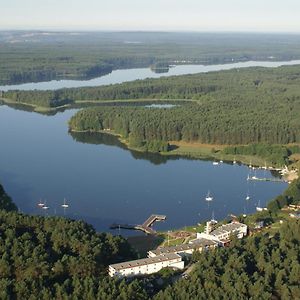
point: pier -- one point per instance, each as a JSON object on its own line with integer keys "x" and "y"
{"x": 145, "y": 227}
{"x": 265, "y": 179}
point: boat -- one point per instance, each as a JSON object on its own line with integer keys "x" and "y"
{"x": 45, "y": 206}
{"x": 215, "y": 163}
{"x": 41, "y": 204}
{"x": 213, "y": 220}
{"x": 247, "y": 197}
{"x": 65, "y": 205}
{"x": 258, "y": 207}
{"x": 221, "y": 161}
{"x": 208, "y": 197}
{"x": 234, "y": 161}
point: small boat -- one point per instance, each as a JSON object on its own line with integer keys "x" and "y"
{"x": 258, "y": 208}
{"x": 221, "y": 161}
{"x": 65, "y": 205}
{"x": 234, "y": 161}
{"x": 215, "y": 163}
{"x": 208, "y": 197}
{"x": 247, "y": 197}
{"x": 45, "y": 206}
{"x": 41, "y": 204}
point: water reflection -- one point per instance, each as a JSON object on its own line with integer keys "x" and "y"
{"x": 98, "y": 138}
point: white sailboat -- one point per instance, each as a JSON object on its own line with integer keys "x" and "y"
{"x": 208, "y": 197}
{"x": 258, "y": 207}
{"x": 213, "y": 220}
{"x": 41, "y": 204}
{"x": 65, "y": 205}
{"x": 45, "y": 206}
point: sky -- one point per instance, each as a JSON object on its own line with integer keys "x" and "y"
{"x": 149, "y": 15}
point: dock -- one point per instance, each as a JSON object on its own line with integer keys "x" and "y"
{"x": 254, "y": 178}
{"x": 145, "y": 227}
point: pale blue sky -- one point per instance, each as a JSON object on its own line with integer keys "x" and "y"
{"x": 195, "y": 15}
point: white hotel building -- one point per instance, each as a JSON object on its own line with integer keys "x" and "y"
{"x": 172, "y": 256}
{"x": 146, "y": 266}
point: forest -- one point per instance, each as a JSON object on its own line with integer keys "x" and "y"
{"x": 211, "y": 123}
{"x": 31, "y": 56}
{"x": 236, "y": 107}
{"x": 57, "y": 258}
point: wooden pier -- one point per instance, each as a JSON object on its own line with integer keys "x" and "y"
{"x": 145, "y": 227}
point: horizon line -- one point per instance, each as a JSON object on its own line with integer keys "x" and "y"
{"x": 61, "y": 30}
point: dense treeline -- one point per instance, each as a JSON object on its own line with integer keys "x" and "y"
{"x": 258, "y": 267}
{"x": 232, "y": 86}
{"x": 211, "y": 122}
{"x": 57, "y": 258}
{"x": 49, "y": 99}
{"x": 289, "y": 196}
{"x": 273, "y": 154}
{"x": 5, "y": 201}
{"x": 242, "y": 106}
{"x": 35, "y": 56}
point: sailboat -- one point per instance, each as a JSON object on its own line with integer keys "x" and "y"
{"x": 213, "y": 220}
{"x": 41, "y": 204}
{"x": 258, "y": 208}
{"x": 208, "y": 197}
{"x": 45, "y": 206}
{"x": 65, "y": 205}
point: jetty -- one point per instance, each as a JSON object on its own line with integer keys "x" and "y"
{"x": 145, "y": 227}
{"x": 254, "y": 178}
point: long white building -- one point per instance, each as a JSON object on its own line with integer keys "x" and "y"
{"x": 146, "y": 266}
{"x": 185, "y": 249}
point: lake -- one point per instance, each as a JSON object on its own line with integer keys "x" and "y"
{"x": 104, "y": 182}
{"x": 119, "y": 76}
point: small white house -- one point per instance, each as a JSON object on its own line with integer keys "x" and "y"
{"x": 146, "y": 266}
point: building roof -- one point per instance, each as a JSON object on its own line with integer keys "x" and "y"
{"x": 228, "y": 228}
{"x": 183, "y": 247}
{"x": 202, "y": 242}
{"x": 144, "y": 261}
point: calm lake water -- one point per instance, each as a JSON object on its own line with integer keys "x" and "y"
{"x": 119, "y": 76}
{"x": 105, "y": 183}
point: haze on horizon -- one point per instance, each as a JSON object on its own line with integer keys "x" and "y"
{"x": 152, "y": 15}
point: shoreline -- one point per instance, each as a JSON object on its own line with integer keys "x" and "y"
{"x": 204, "y": 152}
{"x": 36, "y": 108}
